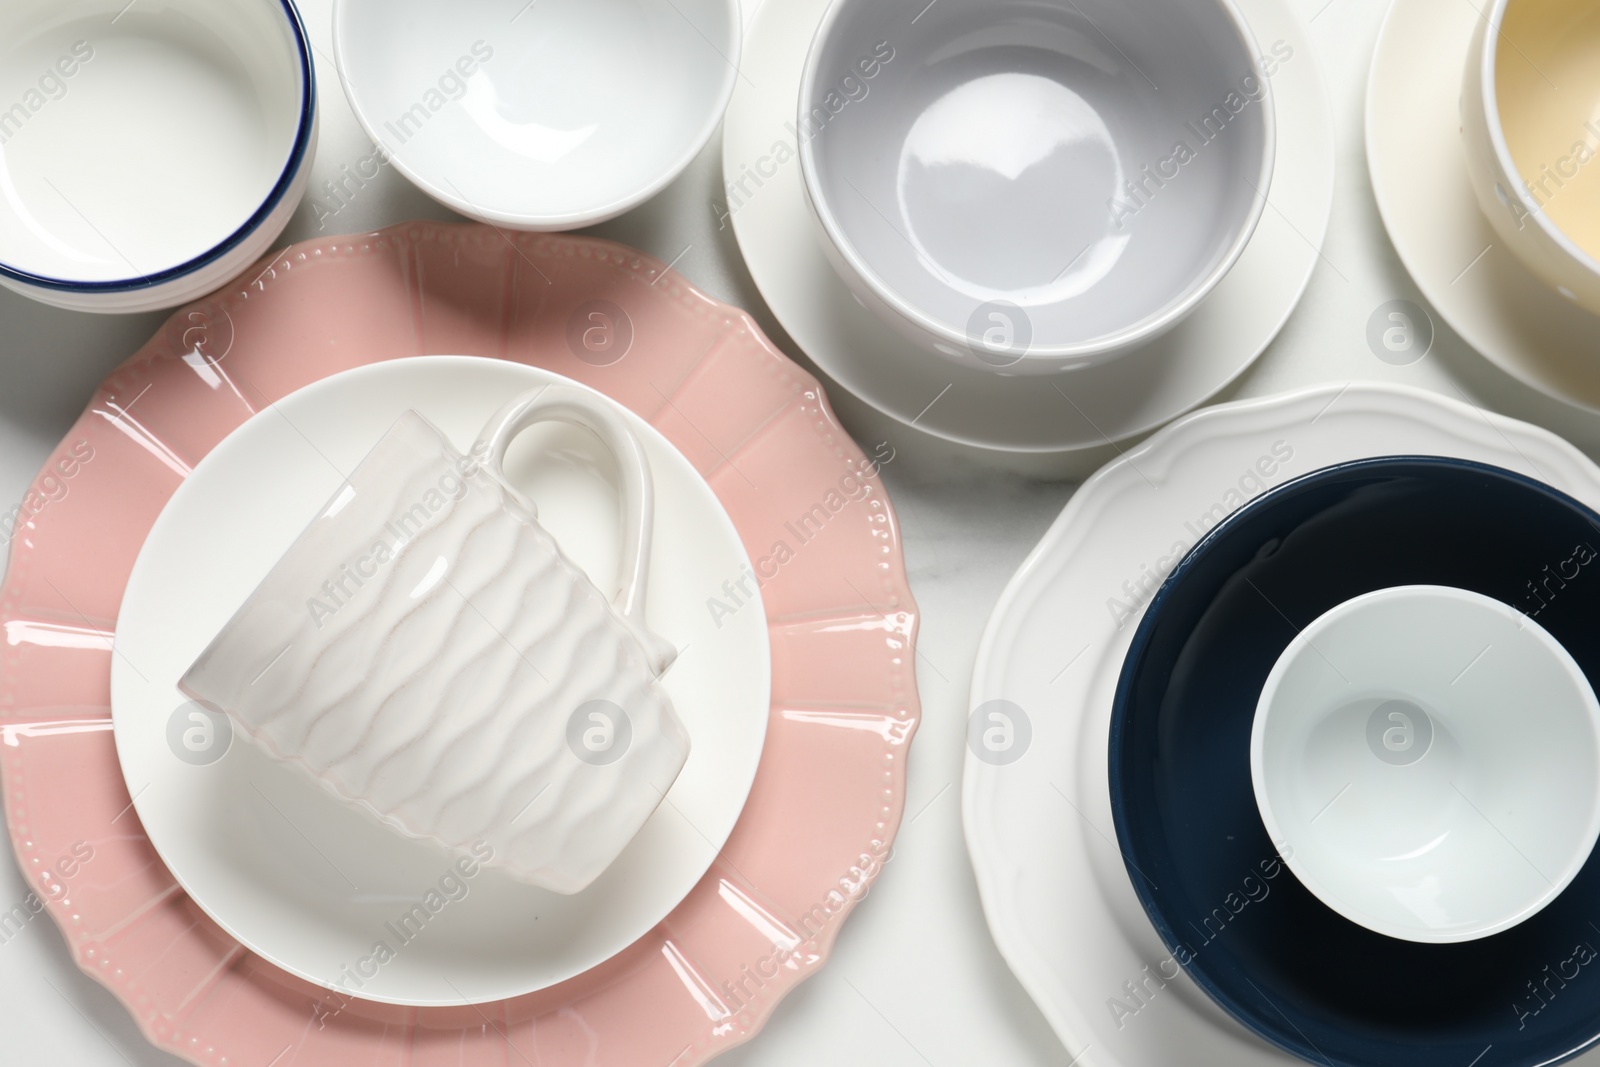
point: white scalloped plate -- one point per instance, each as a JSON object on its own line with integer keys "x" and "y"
{"x": 313, "y": 885}
{"x": 1039, "y": 831}
{"x": 828, "y": 795}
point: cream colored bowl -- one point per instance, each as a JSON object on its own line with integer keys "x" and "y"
{"x": 1530, "y": 116}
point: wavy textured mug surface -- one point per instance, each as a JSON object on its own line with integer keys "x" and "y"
{"x": 427, "y": 652}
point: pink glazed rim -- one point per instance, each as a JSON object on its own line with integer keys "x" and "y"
{"x": 829, "y": 794}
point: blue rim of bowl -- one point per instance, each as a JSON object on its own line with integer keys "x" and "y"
{"x": 1140, "y": 646}
{"x": 291, "y": 169}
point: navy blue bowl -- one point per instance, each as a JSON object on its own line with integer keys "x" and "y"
{"x": 1269, "y": 952}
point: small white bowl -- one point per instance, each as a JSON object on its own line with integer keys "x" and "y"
{"x": 149, "y": 152}
{"x": 538, "y": 114}
{"x": 1426, "y": 759}
{"x": 1032, "y": 186}
{"x": 1532, "y": 137}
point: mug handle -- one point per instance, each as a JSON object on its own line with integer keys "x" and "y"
{"x": 560, "y": 403}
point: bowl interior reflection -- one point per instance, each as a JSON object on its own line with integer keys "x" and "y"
{"x": 1092, "y": 163}
{"x": 1427, "y": 758}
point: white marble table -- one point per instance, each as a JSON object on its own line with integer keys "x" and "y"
{"x": 915, "y": 979}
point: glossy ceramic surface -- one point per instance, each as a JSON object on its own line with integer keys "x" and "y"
{"x": 313, "y": 903}
{"x": 1054, "y": 886}
{"x": 538, "y": 116}
{"x": 1530, "y": 129}
{"x": 825, "y": 804}
{"x": 1424, "y": 758}
{"x": 105, "y": 208}
{"x": 1537, "y": 118}
{"x": 426, "y": 651}
{"x": 1264, "y": 946}
{"x": 765, "y": 204}
{"x": 1006, "y": 183}
{"x": 1418, "y": 168}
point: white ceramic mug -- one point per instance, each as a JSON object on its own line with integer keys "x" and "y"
{"x": 1532, "y": 137}
{"x": 427, "y": 652}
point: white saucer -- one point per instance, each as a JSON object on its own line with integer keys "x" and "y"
{"x": 1419, "y": 177}
{"x": 1038, "y": 820}
{"x": 765, "y": 201}
{"x": 313, "y": 886}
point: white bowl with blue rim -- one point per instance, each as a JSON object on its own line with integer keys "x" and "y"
{"x": 149, "y": 151}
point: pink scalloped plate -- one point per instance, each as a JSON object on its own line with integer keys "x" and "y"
{"x": 829, "y": 794}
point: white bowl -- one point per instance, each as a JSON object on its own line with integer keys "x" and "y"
{"x": 538, "y": 114}
{"x": 149, "y": 152}
{"x": 1532, "y": 137}
{"x": 1426, "y": 760}
{"x": 1002, "y": 180}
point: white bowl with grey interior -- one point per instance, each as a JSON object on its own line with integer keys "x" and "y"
{"x": 1034, "y": 186}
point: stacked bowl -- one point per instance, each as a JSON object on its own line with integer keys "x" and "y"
{"x": 1355, "y": 766}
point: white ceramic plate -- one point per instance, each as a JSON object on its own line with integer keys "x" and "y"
{"x": 1054, "y": 888}
{"x": 765, "y": 202}
{"x": 312, "y": 885}
{"x": 1419, "y": 176}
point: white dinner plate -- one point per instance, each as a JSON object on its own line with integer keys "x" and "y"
{"x": 1037, "y": 807}
{"x": 314, "y": 886}
{"x": 1419, "y": 177}
{"x": 764, "y": 201}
